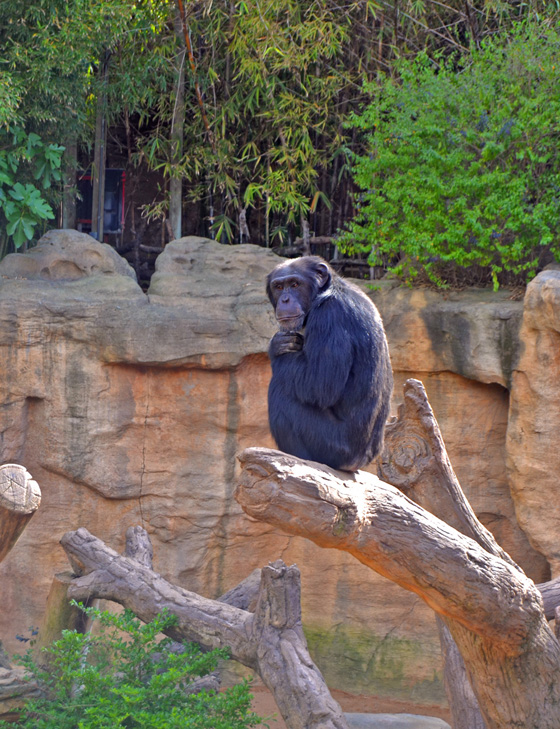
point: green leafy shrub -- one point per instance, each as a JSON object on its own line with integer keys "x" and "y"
{"x": 126, "y": 677}
{"x": 25, "y": 160}
{"x": 463, "y": 165}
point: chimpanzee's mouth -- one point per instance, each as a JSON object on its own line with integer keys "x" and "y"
{"x": 290, "y": 323}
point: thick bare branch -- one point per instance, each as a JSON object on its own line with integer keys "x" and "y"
{"x": 465, "y": 712}
{"x": 550, "y": 592}
{"x": 20, "y": 497}
{"x": 138, "y": 546}
{"x": 245, "y": 594}
{"x": 388, "y": 532}
{"x": 107, "y": 575}
{"x": 492, "y": 610}
{"x": 415, "y": 460}
{"x": 270, "y": 641}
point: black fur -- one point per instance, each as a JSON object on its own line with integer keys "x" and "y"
{"x": 331, "y": 385}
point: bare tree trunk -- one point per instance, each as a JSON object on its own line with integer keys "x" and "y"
{"x": 270, "y": 641}
{"x": 100, "y": 155}
{"x": 69, "y": 185}
{"x": 20, "y": 497}
{"x": 415, "y": 460}
{"x": 177, "y": 128}
{"x": 465, "y": 712}
{"x": 492, "y": 610}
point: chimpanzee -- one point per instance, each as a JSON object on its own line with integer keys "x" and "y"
{"x": 331, "y": 384}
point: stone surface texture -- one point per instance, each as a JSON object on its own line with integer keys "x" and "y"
{"x": 534, "y": 419}
{"x": 128, "y": 408}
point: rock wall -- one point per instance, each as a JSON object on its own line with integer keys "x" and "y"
{"x": 533, "y": 461}
{"x": 128, "y": 408}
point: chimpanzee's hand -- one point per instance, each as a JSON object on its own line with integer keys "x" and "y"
{"x": 285, "y": 342}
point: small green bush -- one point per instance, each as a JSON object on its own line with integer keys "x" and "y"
{"x": 463, "y": 161}
{"x": 126, "y": 677}
{"x": 25, "y": 160}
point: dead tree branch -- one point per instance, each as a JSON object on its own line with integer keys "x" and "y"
{"x": 385, "y": 530}
{"x": 270, "y": 640}
{"x": 492, "y": 610}
{"x": 415, "y": 460}
{"x": 20, "y": 497}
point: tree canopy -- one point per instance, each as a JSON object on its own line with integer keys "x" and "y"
{"x": 264, "y": 89}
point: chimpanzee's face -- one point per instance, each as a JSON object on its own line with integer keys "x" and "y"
{"x": 291, "y": 299}
{"x": 292, "y": 287}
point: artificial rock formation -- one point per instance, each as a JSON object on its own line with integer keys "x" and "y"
{"x": 465, "y": 347}
{"x": 129, "y": 408}
{"x": 534, "y": 420}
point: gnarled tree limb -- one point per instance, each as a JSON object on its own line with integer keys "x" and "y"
{"x": 270, "y": 640}
{"x": 389, "y": 533}
{"x": 415, "y": 460}
{"x": 493, "y": 611}
{"x": 20, "y": 497}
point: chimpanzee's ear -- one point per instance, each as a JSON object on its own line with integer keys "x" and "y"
{"x": 323, "y": 273}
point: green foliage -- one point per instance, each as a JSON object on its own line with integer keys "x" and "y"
{"x": 276, "y": 80}
{"x": 10, "y": 98}
{"x": 126, "y": 677}
{"x": 463, "y": 165}
{"x": 268, "y": 73}
{"x": 25, "y": 160}
{"x": 52, "y": 50}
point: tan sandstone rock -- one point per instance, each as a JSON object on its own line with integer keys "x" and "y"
{"x": 473, "y": 333}
{"x": 534, "y": 418}
{"x": 129, "y": 409}
{"x": 65, "y": 255}
{"x": 464, "y": 347}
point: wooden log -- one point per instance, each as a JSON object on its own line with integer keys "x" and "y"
{"x": 415, "y": 460}
{"x": 138, "y": 546}
{"x": 245, "y": 594}
{"x": 550, "y": 592}
{"x": 465, "y": 712}
{"x": 14, "y": 691}
{"x": 20, "y": 497}
{"x": 492, "y": 610}
{"x": 270, "y": 641}
{"x": 392, "y": 535}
